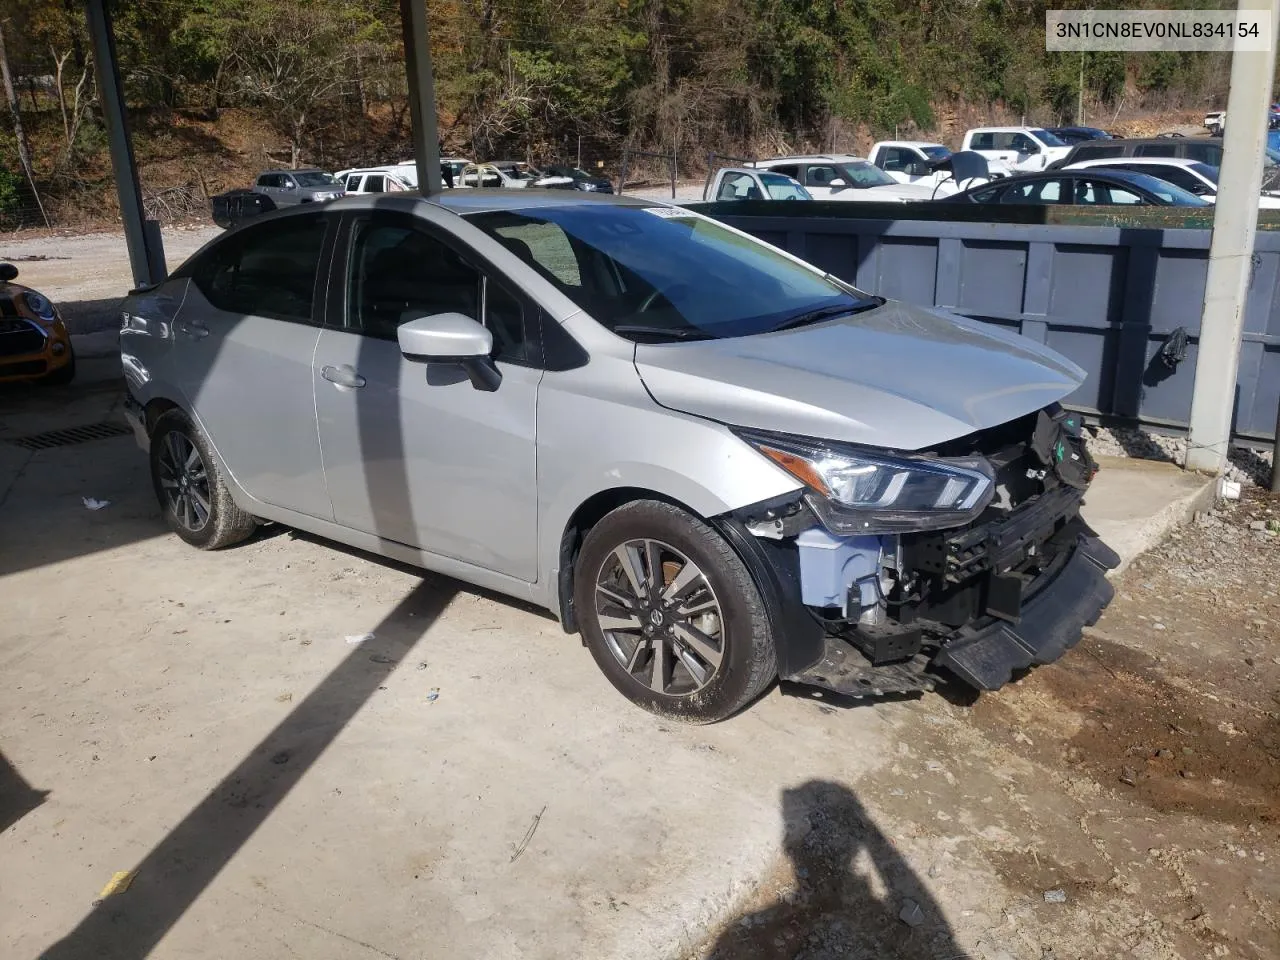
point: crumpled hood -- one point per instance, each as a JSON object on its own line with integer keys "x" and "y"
{"x": 895, "y": 376}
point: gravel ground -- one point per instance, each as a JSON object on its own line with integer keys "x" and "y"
{"x": 1123, "y": 802}
{"x": 1246, "y": 466}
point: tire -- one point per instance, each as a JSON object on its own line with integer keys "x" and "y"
{"x": 203, "y": 514}
{"x": 62, "y": 376}
{"x": 709, "y": 618}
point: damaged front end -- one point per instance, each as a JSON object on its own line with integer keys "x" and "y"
{"x": 969, "y": 559}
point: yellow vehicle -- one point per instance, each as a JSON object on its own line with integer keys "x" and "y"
{"x": 34, "y": 343}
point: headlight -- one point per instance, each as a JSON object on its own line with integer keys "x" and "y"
{"x": 862, "y": 491}
{"x": 39, "y": 304}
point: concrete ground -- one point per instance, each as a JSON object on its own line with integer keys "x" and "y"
{"x": 463, "y": 783}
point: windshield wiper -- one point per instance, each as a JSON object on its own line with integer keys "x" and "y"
{"x": 826, "y": 313}
{"x": 665, "y": 333}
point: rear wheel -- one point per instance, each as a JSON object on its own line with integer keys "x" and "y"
{"x": 671, "y": 613}
{"x": 193, "y": 496}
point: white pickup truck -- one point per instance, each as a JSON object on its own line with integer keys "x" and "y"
{"x": 747, "y": 183}
{"x": 924, "y": 163}
{"x": 1023, "y": 149}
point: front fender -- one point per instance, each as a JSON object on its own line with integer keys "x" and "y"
{"x": 598, "y": 430}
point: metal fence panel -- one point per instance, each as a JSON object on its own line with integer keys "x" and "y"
{"x": 1107, "y": 297}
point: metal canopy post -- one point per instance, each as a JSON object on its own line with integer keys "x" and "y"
{"x": 146, "y": 251}
{"x": 1235, "y": 223}
{"x": 422, "y": 93}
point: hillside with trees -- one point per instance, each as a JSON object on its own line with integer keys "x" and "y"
{"x": 219, "y": 88}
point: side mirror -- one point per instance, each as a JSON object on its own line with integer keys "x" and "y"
{"x": 919, "y": 168}
{"x": 1030, "y": 149}
{"x": 450, "y": 338}
{"x": 290, "y": 185}
{"x": 8, "y": 272}
{"x": 837, "y": 182}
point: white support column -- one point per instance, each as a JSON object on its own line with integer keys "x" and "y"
{"x": 1235, "y": 223}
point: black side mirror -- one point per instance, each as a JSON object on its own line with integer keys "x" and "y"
{"x": 8, "y": 272}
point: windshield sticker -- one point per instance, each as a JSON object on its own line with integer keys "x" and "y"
{"x": 669, "y": 212}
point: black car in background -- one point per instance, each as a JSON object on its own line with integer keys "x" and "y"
{"x": 1074, "y": 135}
{"x": 1089, "y": 187}
{"x": 561, "y": 177}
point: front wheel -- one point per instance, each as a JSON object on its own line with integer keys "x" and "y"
{"x": 671, "y": 614}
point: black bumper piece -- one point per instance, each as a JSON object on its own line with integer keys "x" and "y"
{"x": 985, "y": 655}
{"x": 1050, "y": 622}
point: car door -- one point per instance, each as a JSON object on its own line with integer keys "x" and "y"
{"x": 412, "y": 451}
{"x": 819, "y": 179}
{"x": 243, "y": 345}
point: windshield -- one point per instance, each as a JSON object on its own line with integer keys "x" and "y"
{"x": 783, "y": 188}
{"x": 1166, "y": 191}
{"x": 1048, "y": 139}
{"x": 314, "y": 178}
{"x": 938, "y": 152}
{"x": 1206, "y": 171}
{"x": 860, "y": 173}
{"x": 664, "y": 274}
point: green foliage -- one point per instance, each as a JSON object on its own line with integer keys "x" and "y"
{"x": 12, "y": 195}
{"x": 528, "y": 77}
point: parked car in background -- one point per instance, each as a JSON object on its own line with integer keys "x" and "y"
{"x": 560, "y": 177}
{"x": 1022, "y": 149}
{"x": 1191, "y": 175}
{"x": 748, "y": 183}
{"x": 407, "y": 170}
{"x": 509, "y": 175}
{"x": 844, "y": 177}
{"x": 34, "y": 343}
{"x": 1084, "y": 188}
{"x": 1216, "y": 122}
{"x": 925, "y": 164}
{"x": 1204, "y": 149}
{"x": 640, "y": 418}
{"x": 374, "y": 180}
{"x": 234, "y": 206}
{"x": 1074, "y": 135}
{"x": 288, "y": 187}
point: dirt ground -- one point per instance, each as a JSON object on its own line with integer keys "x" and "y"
{"x": 1123, "y": 803}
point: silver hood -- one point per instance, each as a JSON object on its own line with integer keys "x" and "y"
{"x": 895, "y": 376}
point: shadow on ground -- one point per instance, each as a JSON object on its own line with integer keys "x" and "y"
{"x": 179, "y": 868}
{"x": 852, "y": 895}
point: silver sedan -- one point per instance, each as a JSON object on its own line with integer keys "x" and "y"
{"x": 718, "y": 463}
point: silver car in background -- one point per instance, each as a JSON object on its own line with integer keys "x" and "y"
{"x": 287, "y": 188}
{"x": 718, "y": 463}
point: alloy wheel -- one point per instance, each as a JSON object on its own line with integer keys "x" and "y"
{"x": 184, "y": 479}
{"x": 660, "y": 617}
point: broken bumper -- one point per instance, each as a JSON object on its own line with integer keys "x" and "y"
{"x": 987, "y": 653}
{"x": 987, "y": 656}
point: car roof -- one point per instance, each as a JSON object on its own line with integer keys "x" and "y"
{"x": 910, "y": 143}
{"x": 287, "y": 170}
{"x": 1002, "y": 129}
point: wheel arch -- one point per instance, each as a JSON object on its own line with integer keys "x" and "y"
{"x": 585, "y": 516}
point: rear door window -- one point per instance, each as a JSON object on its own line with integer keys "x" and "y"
{"x": 1096, "y": 152}
{"x": 268, "y": 270}
{"x": 1156, "y": 150}
{"x": 375, "y": 183}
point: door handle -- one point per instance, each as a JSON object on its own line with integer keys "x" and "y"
{"x": 343, "y": 376}
{"x": 192, "y": 330}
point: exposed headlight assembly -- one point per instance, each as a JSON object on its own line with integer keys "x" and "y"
{"x": 857, "y": 491}
{"x": 39, "y": 304}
